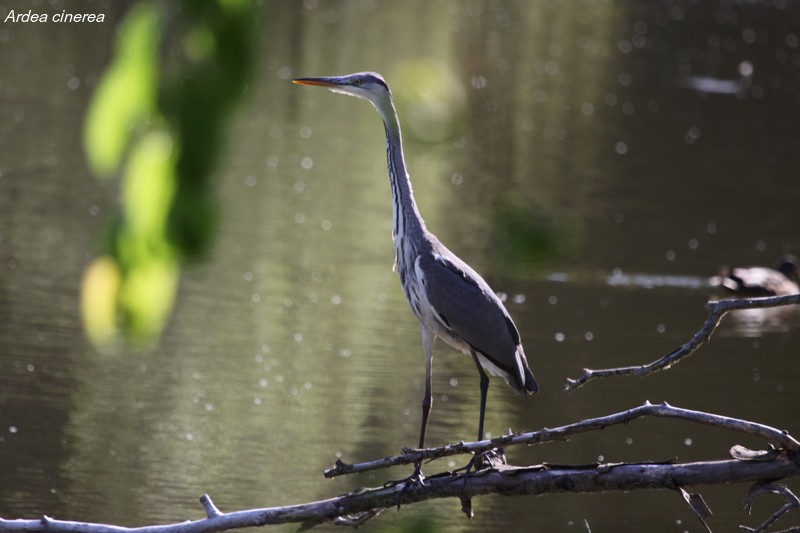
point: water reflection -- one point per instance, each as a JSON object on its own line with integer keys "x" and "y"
{"x": 294, "y": 344}
{"x": 758, "y": 322}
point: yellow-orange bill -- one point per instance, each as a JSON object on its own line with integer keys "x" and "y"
{"x": 313, "y": 81}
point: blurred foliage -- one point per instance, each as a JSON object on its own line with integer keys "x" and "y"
{"x": 157, "y": 120}
{"x": 430, "y": 98}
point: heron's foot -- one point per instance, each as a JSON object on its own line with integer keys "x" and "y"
{"x": 417, "y": 479}
{"x": 491, "y": 459}
{"x": 484, "y": 460}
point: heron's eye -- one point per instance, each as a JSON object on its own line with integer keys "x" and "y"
{"x": 358, "y": 81}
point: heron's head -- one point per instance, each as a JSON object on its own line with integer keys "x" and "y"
{"x": 368, "y": 85}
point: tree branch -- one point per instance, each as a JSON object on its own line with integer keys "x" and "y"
{"x": 759, "y": 489}
{"x": 717, "y": 309}
{"x": 506, "y": 480}
{"x": 780, "y": 438}
{"x": 357, "y": 507}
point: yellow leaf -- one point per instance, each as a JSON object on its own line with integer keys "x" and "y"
{"x": 99, "y": 292}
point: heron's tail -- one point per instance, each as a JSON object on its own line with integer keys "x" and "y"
{"x": 530, "y": 382}
{"x": 529, "y": 386}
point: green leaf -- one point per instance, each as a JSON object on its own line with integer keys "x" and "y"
{"x": 126, "y": 95}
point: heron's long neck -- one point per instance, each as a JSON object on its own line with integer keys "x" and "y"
{"x": 407, "y": 222}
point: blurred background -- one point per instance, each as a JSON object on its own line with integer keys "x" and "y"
{"x": 596, "y": 161}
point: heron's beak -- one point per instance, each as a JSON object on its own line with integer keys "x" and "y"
{"x": 322, "y": 82}
{"x": 337, "y": 85}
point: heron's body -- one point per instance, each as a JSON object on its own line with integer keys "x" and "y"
{"x": 450, "y": 299}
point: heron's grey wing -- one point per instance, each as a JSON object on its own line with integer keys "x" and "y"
{"x": 470, "y": 310}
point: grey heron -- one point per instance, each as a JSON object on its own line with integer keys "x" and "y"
{"x": 450, "y": 300}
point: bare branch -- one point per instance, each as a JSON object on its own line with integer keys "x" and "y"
{"x": 717, "y": 309}
{"x": 355, "y": 507}
{"x": 780, "y": 438}
{"x": 761, "y": 488}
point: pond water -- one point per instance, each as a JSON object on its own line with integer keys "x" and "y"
{"x": 596, "y": 161}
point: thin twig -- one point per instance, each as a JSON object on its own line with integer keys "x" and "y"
{"x": 780, "y": 438}
{"x": 717, "y": 309}
{"x": 208, "y": 505}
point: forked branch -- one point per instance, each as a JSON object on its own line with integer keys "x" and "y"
{"x": 717, "y": 309}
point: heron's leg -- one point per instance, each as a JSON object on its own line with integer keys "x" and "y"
{"x": 484, "y": 390}
{"x": 428, "y": 340}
